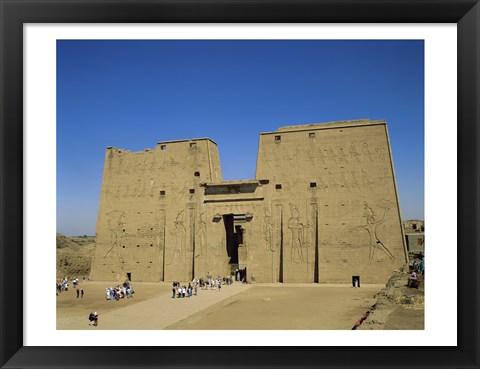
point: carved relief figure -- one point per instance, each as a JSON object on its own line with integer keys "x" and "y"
{"x": 298, "y": 235}
{"x": 353, "y": 153}
{"x": 353, "y": 178}
{"x": 321, "y": 157}
{"x": 371, "y": 228}
{"x": 322, "y": 184}
{"x": 380, "y": 151}
{"x": 331, "y": 155}
{"x": 179, "y": 232}
{"x": 366, "y": 151}
{"x": 342, "y": 156}
{"x": 366, "y": 179}
{"x": 116, "y": 224}
{"x": 268, "y": 231}
{"x": 202, "y": 235}
{"x": 343, "y": 181}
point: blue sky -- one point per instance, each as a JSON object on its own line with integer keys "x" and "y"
{"x": 132, "y": 94}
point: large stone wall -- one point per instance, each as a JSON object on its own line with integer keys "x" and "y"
{"x": 323, "y": 207}
{"x": 338, "y": 200}
{"x": 149, "y": 207}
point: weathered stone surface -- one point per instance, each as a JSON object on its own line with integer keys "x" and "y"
{"x": 322, "y": 208}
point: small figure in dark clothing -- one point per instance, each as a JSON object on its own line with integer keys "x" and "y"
{"x": 81, "y": 293}
{"x": 93, "y": 319}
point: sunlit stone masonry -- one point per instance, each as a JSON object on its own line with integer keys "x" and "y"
{"x": 322, "y": 208}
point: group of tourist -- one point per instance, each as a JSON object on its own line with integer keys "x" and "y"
{"x": 216, "y": 283}
{"x": 119, "y": 292}
{"x": 179, "y": 291}
{"x": 63, "y": 286}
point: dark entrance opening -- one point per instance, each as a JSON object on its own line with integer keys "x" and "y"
{"x": 129, "y": 276}
{"x": 355, "y": 280}
{"x": 232, "y": 238}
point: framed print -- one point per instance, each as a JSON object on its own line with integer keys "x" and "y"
{"x": 29, "y": 337}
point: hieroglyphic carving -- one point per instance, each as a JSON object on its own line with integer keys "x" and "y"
{"x": 332, "y": 183}
{"x": 268, "y": 231}
{"x": 371, "y": 227}
{"x": 298, "y": 235}
{"x": 386, "y": 178}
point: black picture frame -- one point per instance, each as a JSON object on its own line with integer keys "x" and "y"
{"x": 14, "y": 13}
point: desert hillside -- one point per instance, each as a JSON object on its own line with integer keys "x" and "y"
{"x": 74, "y": 256}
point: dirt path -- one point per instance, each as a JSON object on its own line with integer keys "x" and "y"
{"x": 156, "y": 312}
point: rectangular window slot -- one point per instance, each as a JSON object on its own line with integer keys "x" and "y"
{"x": 192, "y": 190}
{"x": 278, "y": 186}
{"x": 197, "y": 174}
{"x": 278, "y": 138}
{"x": 313, "y": 184}
{"x": 193, "y": 145}
{"x": 162, "y": 193}
{"x": 163, "y": 147}
{"x": 311, "y": 135}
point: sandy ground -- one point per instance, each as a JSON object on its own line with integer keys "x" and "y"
{"x": 286, "y": 307}
{"x": 239, "y": 306}
{"x": 72, "y": 313}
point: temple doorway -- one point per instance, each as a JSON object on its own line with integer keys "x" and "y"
{"x": 235, "y": 242}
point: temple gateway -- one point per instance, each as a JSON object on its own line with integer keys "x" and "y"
{"x": 323, "y": 207}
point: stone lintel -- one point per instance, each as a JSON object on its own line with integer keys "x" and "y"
{"x": 232, "y": 199}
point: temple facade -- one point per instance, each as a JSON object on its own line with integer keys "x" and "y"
{"x": 323, "y": 207}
